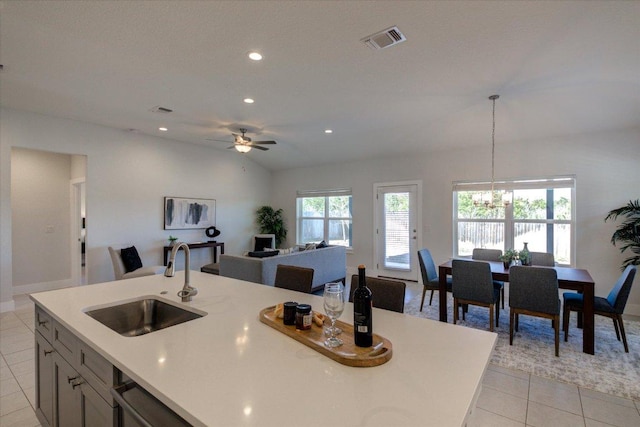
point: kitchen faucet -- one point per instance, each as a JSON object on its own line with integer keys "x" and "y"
{"x": 187, "y": 291}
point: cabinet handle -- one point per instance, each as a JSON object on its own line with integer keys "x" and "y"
{"x": 74, "y": 385}
{"x": 47, "y": 352}
{"x": 69, "y": 379}
{"x": 43, "y": 322}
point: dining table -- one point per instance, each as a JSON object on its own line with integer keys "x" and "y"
{"x": 576, "y": 279}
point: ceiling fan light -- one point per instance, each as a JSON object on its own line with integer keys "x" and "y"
{"x": 242, "y": 148}
{"x": 255, "y": 56}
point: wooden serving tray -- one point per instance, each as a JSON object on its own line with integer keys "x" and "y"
{"x": 348, "y": 353}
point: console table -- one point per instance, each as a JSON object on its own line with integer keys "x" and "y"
{"x": 213, "y": 245}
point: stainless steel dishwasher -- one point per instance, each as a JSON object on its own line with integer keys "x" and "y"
{"x": 138, "y": 408}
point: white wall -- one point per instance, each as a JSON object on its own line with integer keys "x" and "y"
{"x": 128, "y": 175}
{"x": 40, "y": 200}
{"x": 607, "y": 168}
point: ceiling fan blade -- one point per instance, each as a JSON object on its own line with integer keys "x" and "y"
{"x": 218, "y": 140}
{"x": 263, "y": 142}
{"x": 257, "y": 147}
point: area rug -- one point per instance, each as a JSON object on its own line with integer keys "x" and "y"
{"x": 610, "y": 370}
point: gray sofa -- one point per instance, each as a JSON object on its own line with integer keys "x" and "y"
{"x": 329, "y": 264}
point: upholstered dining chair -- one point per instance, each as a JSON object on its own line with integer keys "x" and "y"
{"x": 385, "y": 293}
{"x": 612, "y": 306}
{"x": 481, "y": 254}
{"x": 430, "y": 280}
{"x": 543, "y": 259}
{"x": 294, "y": 278}
{"x": 533, "y": 291}
{"x": 127, "y": 264}
{"x": 472, "y": 284}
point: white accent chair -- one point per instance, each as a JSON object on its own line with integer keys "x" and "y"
{"x": 119, "y": 270}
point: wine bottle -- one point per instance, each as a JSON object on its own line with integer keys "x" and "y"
{"x": 362, "y": 320}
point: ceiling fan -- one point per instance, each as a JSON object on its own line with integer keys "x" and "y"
{"x": 244, "y": 144}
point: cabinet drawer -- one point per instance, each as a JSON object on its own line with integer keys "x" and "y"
{"x": 43, "y": 323}
{"x": 98, "y": 372}
{"x": 66, "y": 344}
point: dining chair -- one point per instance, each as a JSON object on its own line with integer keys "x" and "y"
{"x": 481, "y": 254}
{"x": 543, "y": 259}
{"x": 294, "y": 278}
{"x": 472, "y": 284}
{"x": 533, "y": 291}
{"x": 430, "y": 280}
{"x": 385, "y": 293}
{"x": 612, "y": 306}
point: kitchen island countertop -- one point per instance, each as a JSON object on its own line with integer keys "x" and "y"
{"x": 229, "y": 369}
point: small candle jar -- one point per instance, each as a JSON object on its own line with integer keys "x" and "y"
{"x": 289, "y": 313}
{"x": 304, "y": 318}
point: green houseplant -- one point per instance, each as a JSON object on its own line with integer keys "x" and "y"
{"x": 271, "y": 221}
{"x": 509, "y": 256}
{"x": 627, "y": 233}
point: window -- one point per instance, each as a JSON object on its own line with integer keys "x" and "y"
{"x": 540, "y": 212}
{"x": 324, "y": 215}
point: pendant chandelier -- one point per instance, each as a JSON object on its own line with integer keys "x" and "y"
{"x": 493, "y": 200}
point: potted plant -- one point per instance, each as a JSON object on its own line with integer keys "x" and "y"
{"x": 508, "y": 257}
{"x": 172, "y": 240}
{"x": 627, "y": 233}
{"x": 271, "y": 221}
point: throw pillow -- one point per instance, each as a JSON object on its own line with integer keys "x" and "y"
{"x": 130, "y": 259}
{"x": 321, "y": 245}
{"x": 263, "y": 242}
{"x": 310, "y": 246}
{"x": 262, "y": 254}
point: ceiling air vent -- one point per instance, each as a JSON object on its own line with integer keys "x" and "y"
{"x": 386, "y": 38}
{"x": 163, "y": 110}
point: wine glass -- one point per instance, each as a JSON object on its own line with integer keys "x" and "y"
{"x": 333, "y": 306}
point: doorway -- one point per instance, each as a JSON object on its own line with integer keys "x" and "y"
{"x": 397, "y": 235}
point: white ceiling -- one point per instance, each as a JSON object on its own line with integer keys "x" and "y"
{"x": 561, "y": 68}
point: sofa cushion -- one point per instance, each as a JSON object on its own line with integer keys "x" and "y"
{"x": 263, "y": 254}
{"x": 130, "y": 259}
{"x": 321, "y": 245}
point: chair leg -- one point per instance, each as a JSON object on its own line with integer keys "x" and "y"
{"x": 431, "y": 297}
{"x": 556, "y": 326}
{"x": 502, "y": 296}
{"x": 424, "y": 291}
{"x": 624, "y": 336}
{"x": 517, "y": 322}
{"x": 512, "y": 318}
{"x": 498, "y": 315}
{"x": 565, "y": 323}
{"x": 455, "y": 311}
{"x": 491, "y": 317}
{"x": 615, "y": 326}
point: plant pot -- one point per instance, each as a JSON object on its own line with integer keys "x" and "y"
{"x": 506, "y": 264}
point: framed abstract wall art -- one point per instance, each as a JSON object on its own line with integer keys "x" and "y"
{"x": 182, "y": 213}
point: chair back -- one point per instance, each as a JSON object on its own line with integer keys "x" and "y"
{"x": 385, "y": 293}
{"x": 116, "y": 260}
{"x": 471, "y": 280}
{"x": 534, "y": 289}
{"x": 620, "y": 293}
{"x": 544, "y": 259}
{"x": 294, "y": 278}
{"x": 482, "y": 254}
{"x": 427, "y": 266}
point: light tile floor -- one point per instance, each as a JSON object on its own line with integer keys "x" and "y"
{"x": 509, "y": 397}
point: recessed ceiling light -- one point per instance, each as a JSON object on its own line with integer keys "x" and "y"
{"x": 163, "y": 129}
{"x": 249, "y": 101}
{"x": 328, "y": 131}
{"x": 255, "y": 56}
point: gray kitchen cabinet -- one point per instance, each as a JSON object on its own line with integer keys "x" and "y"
{"x": 44, "y": 379}
{"x": 72, "y": 380}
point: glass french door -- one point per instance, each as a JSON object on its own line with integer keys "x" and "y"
{"x": 396, "y": 231}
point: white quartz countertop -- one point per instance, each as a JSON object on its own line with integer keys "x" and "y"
{"x": 229, "y": 369}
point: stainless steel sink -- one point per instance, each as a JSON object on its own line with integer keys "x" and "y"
{"x": 142, "y": 316}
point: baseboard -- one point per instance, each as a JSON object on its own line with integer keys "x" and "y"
{"x": 43, "y": 286}
{"x": 7, "y": 306}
